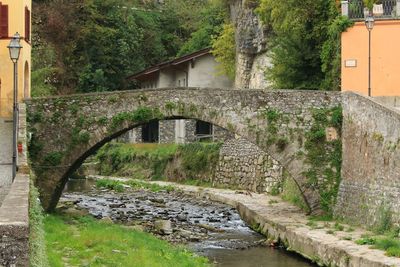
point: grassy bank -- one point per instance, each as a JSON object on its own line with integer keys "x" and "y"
{"x": 159, "y": 162}
{"x": 86, "y": 242}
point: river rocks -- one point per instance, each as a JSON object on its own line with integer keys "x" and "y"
{"x": 173, "y": 216}
{"x": 163, "y": 227}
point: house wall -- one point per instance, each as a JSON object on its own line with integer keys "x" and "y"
{"x": 16, "y": 18}
{"x": 166, "y": 78}
{"x": 385, "y": 63}
{"x": 181, "y": 77}
{"x": 204, "y": 73}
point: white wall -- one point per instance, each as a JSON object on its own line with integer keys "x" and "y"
{"x": 205, "y": 74}
{"x": 166, "y": 78}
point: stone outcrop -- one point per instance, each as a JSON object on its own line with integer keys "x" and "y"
{"x": 242, "y": 164}
{"x": 251, "y": 46}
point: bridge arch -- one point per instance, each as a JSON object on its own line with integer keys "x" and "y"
{"x": 68, "y": 129}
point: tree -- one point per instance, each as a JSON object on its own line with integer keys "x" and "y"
{"x": 304, "y": 50}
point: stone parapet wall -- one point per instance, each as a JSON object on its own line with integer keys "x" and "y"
{"x": 370, "y": 184}
{"x": 244, "y": 165}
{"x": 14, "y": 224}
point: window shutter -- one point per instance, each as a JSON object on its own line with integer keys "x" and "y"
{"x": 4, "y": 21}
{"x": 27, "y": 24}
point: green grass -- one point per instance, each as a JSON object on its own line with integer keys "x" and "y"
{"x": 86, "y": 242}
{"x": 292, "y": 194}
{"x": 387, "y": 243}
{"x": 110, "y": 184}
{"x": 159, "y": 161}
{"x": 119, "y": 185}
{"x": 37, "y": 246}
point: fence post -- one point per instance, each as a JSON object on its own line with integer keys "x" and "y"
{"x": 397, "y": 8}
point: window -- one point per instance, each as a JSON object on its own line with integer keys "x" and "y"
{"x": 27, "y": 24}
{"x": 3, "y": 21}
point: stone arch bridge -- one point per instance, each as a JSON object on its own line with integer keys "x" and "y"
{"x": 67, "y": 129}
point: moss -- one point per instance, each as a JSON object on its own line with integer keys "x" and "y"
{"x": 79, "y": 137}
{"x": 74, "y": 108}
{"x": 378, "y": 137}
{"x": 140, "y": 115}
{"x": 324, "y": 157}
{"x": 170, "y": 106}
{"x": 102, "y": 120}
{"x": 112, "y": 99}
{"x": 53, "y": 159}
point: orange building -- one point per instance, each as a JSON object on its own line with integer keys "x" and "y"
{"x": 15, "y": 16}
{"x": 385, "y": 52}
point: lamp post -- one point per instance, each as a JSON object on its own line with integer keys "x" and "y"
{"x": 15, "y": 49}
{"x": 369, "y": 23}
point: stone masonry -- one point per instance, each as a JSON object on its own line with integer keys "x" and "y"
{"x": 6, "y": 128}
{"x": 243, "y": 164}
{"x": 370, "y": 187}
{"x": 66, "y": 130}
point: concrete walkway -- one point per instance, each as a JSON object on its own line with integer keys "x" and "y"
{"x": 279, "y": 220}
{"x": 6, "y": 128}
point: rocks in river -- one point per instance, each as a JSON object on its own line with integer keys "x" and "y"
{"x": 117, "y": 205}
{"x": 157, "y": 200}
{"x": 163, "y": 227}
{"x": 181, "y": 217}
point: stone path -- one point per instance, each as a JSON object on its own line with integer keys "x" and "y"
{"x": 5, "y": 157}
{"x": 279, "y": 220}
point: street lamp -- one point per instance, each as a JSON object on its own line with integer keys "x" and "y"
{"x": 369, "y": 23}
{"x": 15, "y": 49}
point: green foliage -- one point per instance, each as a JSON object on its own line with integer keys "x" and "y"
{"x": 384, "y": 220}
{"x": 370, "y": 4}
{"x": 149, "y": 161}
{"x": 141, "y": 115}
{"x": 292, "y": 194}
{"x": 37, "y": 246}
{"x": 145, "y": 160}
{"x": 53, "y": 158}
{"x": 90, "y": 243}
{"x": 304, "y": 43}
{"x": 324, "y": 157}
{"x": 150, "y": 186}
{"x": 104, "y": 43}
{"x": 331, "y": 53}
{"x": 110, "y": 184}
{"x": 213, "y": 16}
{"x": 224, "y": 50}
{"x": 198, "y": 158}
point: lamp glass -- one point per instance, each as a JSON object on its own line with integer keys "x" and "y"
{"x": 369, "y": 23}
{"x": 15, "y": 47}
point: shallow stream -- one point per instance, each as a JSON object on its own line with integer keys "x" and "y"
{"x": 208, "y": 228}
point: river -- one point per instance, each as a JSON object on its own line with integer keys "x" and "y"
{"x": 208, "y": 228}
